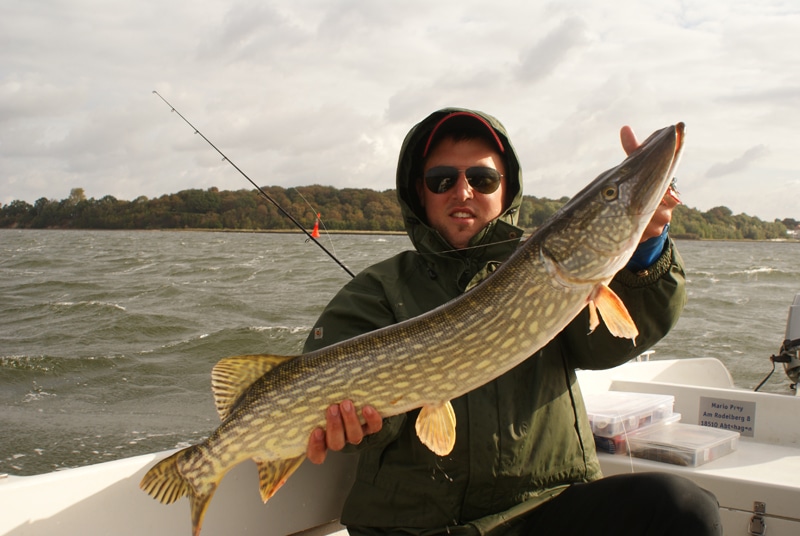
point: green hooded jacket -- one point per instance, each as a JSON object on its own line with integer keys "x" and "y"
{"x": 521, "y": 438}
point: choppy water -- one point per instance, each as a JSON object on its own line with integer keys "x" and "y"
{"x": 107, "y": 338}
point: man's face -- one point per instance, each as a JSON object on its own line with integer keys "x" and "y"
{"x": 461, "y": 212}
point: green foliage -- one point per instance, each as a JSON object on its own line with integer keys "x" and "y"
{"x": 535, "y": 211}
{"x": 348, "y": 209}
{"x": 721, "y": 224}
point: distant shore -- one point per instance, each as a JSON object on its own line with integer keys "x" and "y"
{"x": 358, "y": 232}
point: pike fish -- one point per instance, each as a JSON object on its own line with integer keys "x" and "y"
{"x": 270, "y": 404}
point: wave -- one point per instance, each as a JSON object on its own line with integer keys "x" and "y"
{"x": 89, "y": 303}
{"x": 224, "y": 342}
{"x": 280, "y": 329}
{"x": 759, "y": 270}
{"x": 57, "y": 365}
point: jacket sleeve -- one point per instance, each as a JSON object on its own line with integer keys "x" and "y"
{"x": 654, "y": 298}
{"x": 359, "y": 307}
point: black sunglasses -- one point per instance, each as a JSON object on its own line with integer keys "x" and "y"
{"x": 440, "y": 179}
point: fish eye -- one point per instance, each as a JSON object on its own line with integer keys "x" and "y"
{"x": 610, "y": 192}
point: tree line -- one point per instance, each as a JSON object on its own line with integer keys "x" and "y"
{"x": 347, "y": 209}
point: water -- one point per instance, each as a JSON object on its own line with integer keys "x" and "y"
{"x": 739, "y": 298}
{"x": 107, "y": 338}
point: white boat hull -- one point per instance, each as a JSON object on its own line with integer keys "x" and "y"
{"x": 105, "y": 498}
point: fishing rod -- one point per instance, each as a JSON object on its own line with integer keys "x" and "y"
{"x": 257, "y": 187}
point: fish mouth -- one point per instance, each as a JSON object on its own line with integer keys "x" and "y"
{"x": 680, "y": 135}
{"x": 652, "y": 167}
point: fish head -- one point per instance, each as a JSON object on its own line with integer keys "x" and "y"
{"x": 594, "y": 235}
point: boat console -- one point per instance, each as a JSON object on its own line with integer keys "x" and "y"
{"x": 790, "y": 349}
{"x": 789, "y": 352}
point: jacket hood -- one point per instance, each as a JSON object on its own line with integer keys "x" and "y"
{"x": 409, "y": 169}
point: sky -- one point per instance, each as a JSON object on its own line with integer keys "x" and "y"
{"x": 301, "y": 92}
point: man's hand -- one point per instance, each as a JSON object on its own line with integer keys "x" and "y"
{"x": 342, "y": 427}
{"x": 628, "y": 139}
{"x": 663, "y": 213}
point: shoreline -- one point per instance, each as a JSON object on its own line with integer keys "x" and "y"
{"x": 200, "y": 230}
{"x": 527, "y": 233}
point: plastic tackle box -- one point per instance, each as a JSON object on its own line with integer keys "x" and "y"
{"x": 613, "y": 413}
{"x": 682, "y": 444}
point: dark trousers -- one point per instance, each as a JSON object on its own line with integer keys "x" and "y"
{"x": 655, "y": 504}
{"x": 651, "y": 504}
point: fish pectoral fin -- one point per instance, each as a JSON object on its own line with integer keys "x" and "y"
{"x": 615, "y": 315}
{"x": 274, "y": 474}
{"x": 436, "y": 427}
{"x": 232, "y": 376}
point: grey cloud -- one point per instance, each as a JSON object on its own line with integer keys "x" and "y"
{"x": 324, "y": 91}
{"x": 253, "y": 34}
{"x": 545, "y": 56}
{"x": 738, "y": 164}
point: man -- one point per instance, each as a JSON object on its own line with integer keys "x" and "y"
{"x": 524, "y": 459}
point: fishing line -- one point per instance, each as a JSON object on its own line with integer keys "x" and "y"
{"x": 257, "y": 187}
{"x": 478, "y": 246}
{"x": 319, "y": 218}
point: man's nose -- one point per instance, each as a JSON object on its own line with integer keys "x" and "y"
{"x": 462, "y": 189}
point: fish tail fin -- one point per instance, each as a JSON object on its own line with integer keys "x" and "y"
{"x": 200, "y": 504}
{"x": 274, "y": 474}
{"x": 166, "y": 483}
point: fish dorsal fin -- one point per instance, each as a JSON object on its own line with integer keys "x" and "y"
{"x": 231, "y": 377}
{"x": 273, "y": 474}
{"x": 436, "y": 427}
{"x": 615, "y": 315}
